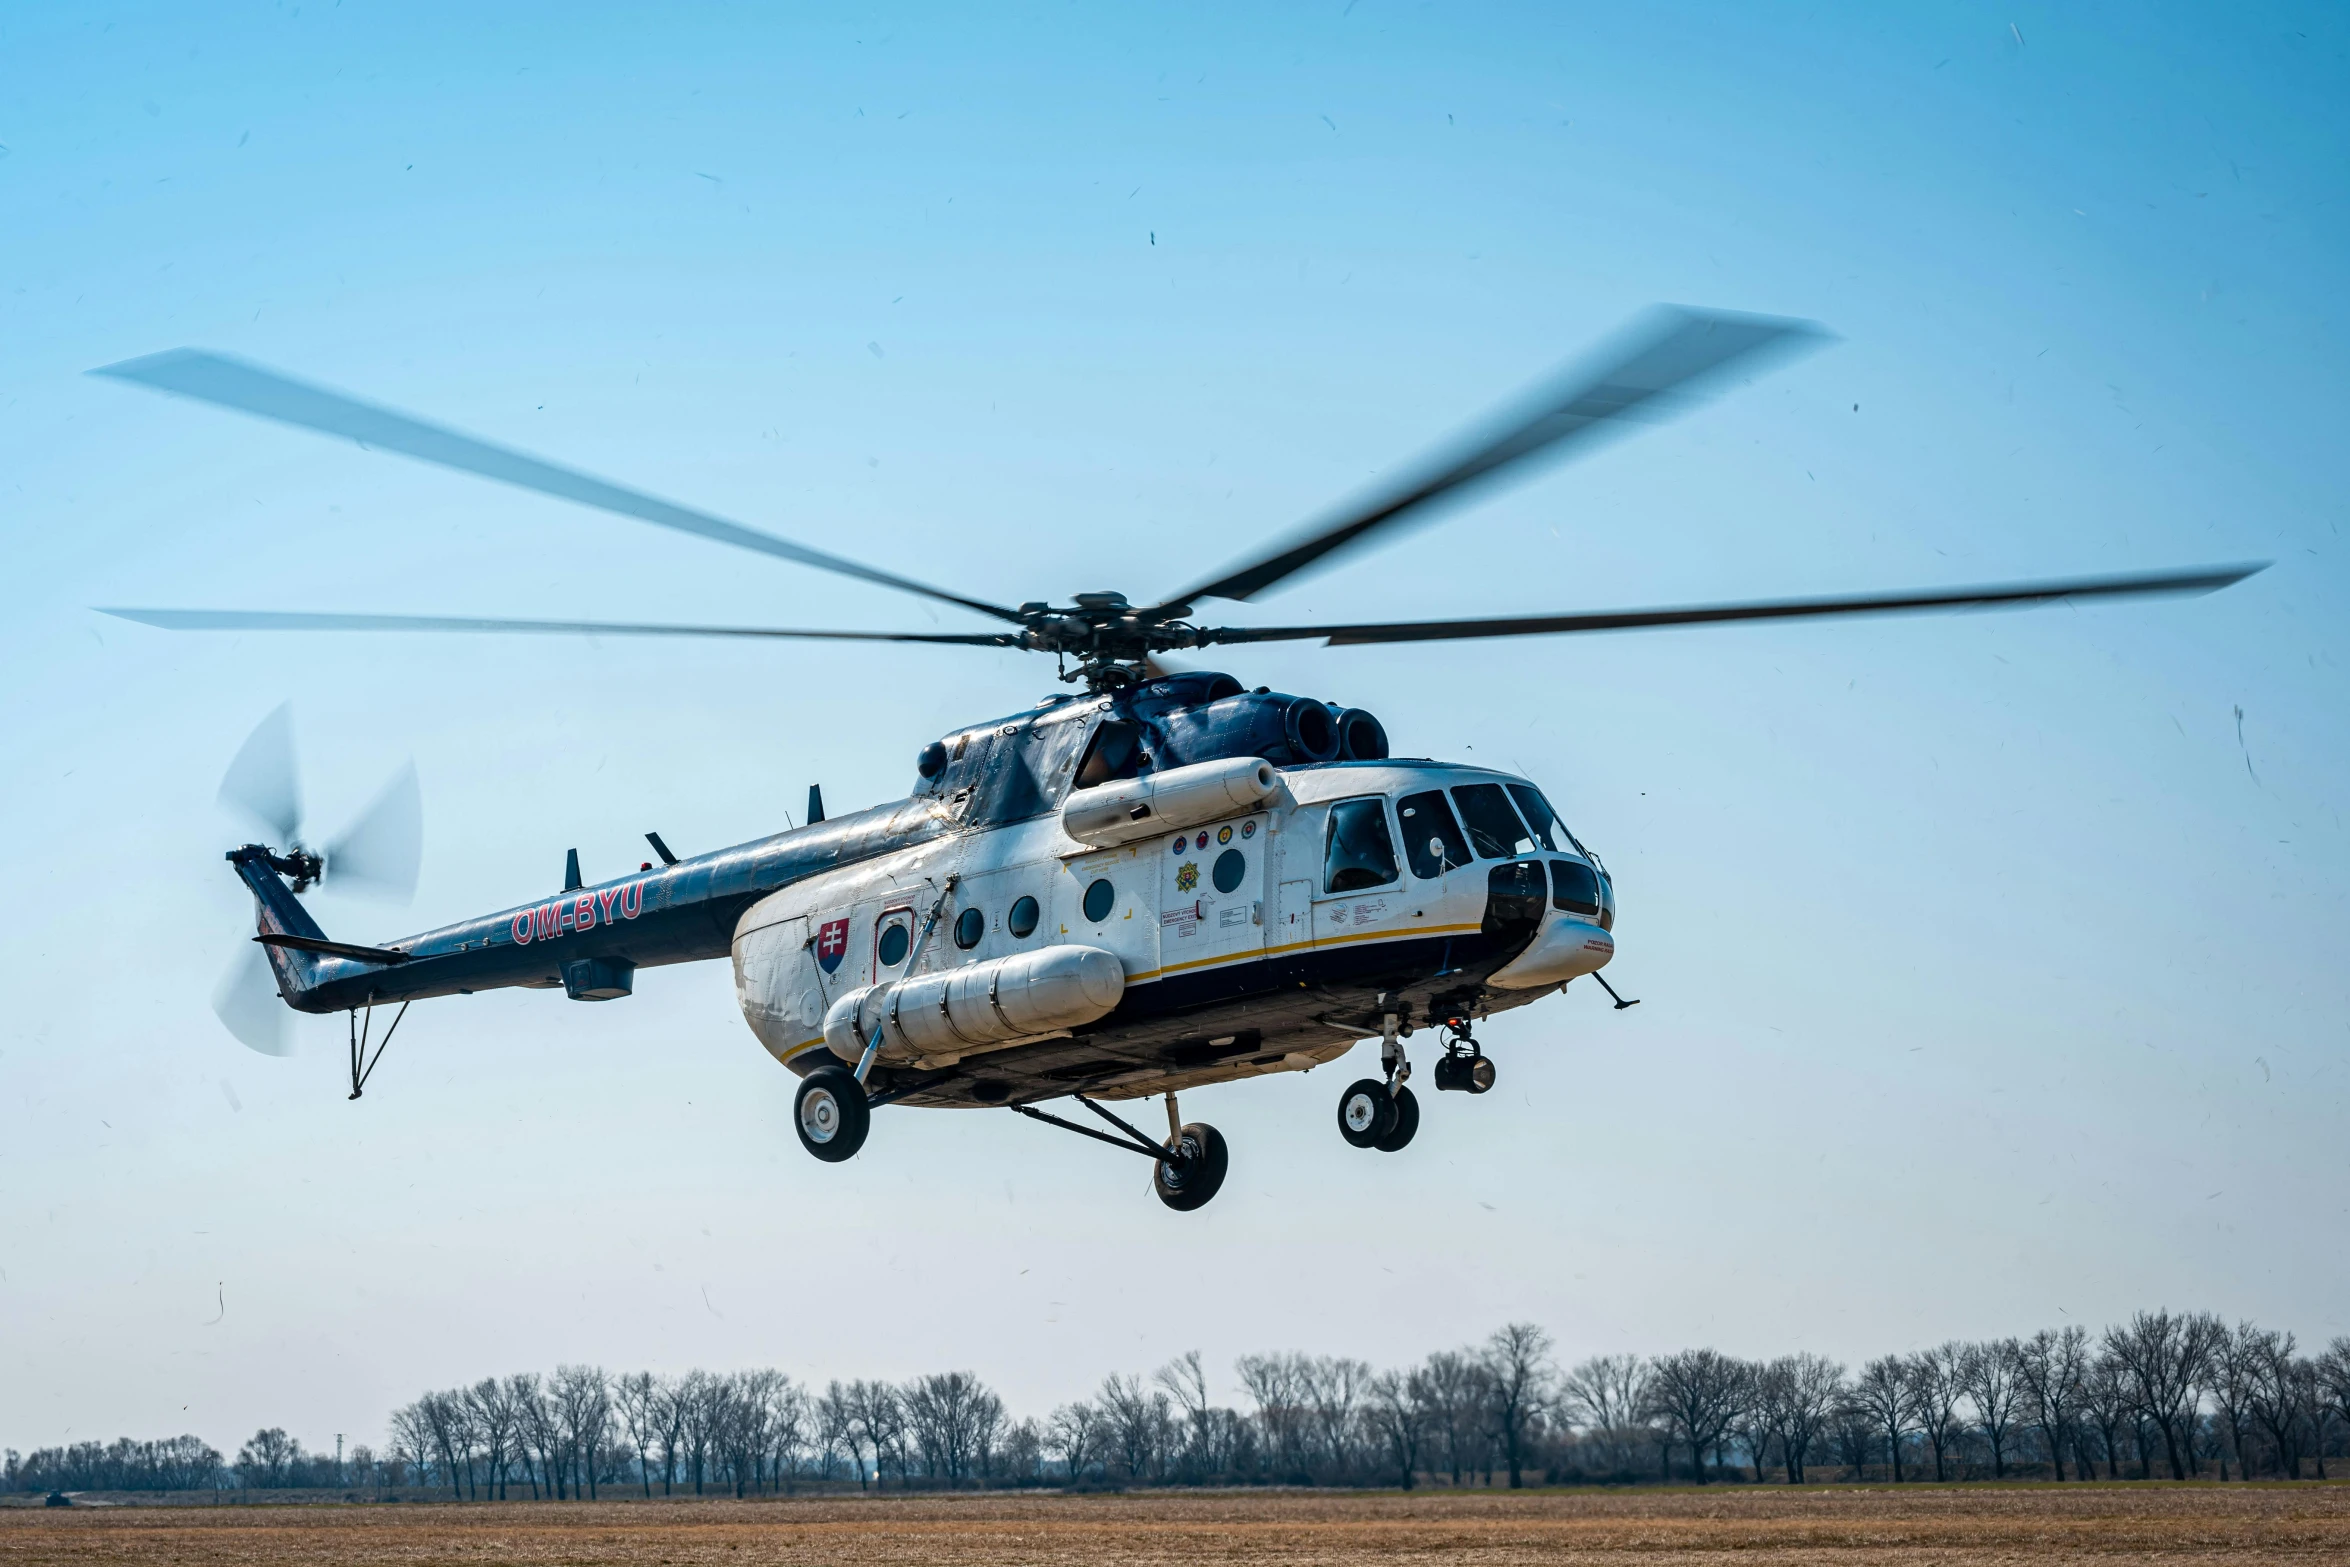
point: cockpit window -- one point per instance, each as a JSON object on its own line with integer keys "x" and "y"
{"x": 1493, "y": 827}
{"x": 1432, "y": 840}
{"x": 1358, "y": 851}
{"x": 1574, "y": 888}
{"x": 1116, "y": 753}
{"x": 1538, "y": 814}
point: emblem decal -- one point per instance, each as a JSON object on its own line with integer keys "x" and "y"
{"x": 1248, "y": 829}
{"x": 832, "y": 944}
{"x": 1179, "y": 843}
{"x": 1203, "y": 838}
{"x": 1223, "y": 835}
{"x": 1187, "y": 877}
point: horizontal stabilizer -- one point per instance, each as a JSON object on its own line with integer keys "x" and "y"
{"x": 332, "y": 949}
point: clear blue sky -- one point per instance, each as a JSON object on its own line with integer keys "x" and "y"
{"x": 1993, "y": 964}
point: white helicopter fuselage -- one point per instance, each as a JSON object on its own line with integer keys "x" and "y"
{"x": 1232, "y": 938}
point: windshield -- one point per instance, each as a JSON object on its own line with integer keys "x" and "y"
{"x": 1539, "y": 815}
{"x": 1493, "y": 826}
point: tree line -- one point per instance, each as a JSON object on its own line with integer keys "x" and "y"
{"x": 2164, "y": 1395}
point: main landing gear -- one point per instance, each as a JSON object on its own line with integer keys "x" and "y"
{"x": 1382, "y": 1113}
{"x": 1186, "y": 1170}
{"x": 832, "y": 1114}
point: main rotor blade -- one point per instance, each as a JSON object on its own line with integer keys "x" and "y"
{"x": 2204, "y": 580}
{"x": 1668, "y": 350}
{"x": 249, "y": 388}
{"x": 305, "y": 620}
{"x": 262, "y": 780}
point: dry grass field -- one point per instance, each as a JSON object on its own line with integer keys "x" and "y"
{"x": 1746, "y": 1525}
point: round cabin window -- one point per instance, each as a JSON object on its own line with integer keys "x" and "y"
{"x": 970, "y": 925}
{"x": 1231, "y": 865}
{"x": 1022, "y": 920}
{"x": 1100, "y": 898}
{"x": 895, "y": 939}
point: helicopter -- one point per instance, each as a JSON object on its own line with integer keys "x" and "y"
{"x": 1157, "y": 880}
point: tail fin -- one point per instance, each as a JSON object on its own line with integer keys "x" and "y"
{"x": 278, "y": 912}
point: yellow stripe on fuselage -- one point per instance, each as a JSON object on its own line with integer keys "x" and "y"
{"x": 1229, "y": 958}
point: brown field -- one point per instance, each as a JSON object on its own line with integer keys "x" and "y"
{"x": 1745, "y": 1525}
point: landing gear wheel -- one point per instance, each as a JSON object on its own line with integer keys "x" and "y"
{"x": 1195, "y": 1172}
{"x": 1366, "y": 1113}
{"x": 1407, "y": 1121}
{"x": 831, "y": 1114}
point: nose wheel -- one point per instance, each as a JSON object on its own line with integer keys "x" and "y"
{"x": 1371, "y": 1115}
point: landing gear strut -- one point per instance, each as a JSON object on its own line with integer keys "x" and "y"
{"x": 1187, "y": 1170}
{"x": 1382, "y": 1114}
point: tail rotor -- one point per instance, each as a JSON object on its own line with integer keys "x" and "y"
{"x": 377, "y": 856}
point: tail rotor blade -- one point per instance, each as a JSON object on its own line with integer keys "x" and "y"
{"x": 262, "y": 783}
{"x": 247, "y": 1004}
{"x": 379, "y": 853}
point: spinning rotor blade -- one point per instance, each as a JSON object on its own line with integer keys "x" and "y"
{"x": 2205, "y": 580}
{"x": 379, "y": 853}
{"x": 234, "y": 383}
{"x": 247, "y": 1004}
{"x": 1671, "y": 349}
{"x": 303, "y": 620}
{"x": 261, "y": 781}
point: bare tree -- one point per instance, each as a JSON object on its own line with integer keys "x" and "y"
{"x": 2105, "y": 1400}
{"x": 2330, "y": 1376}
{"x": 1399, "y": 1420}
{"x": 1334, "y": 1386}
{"x": 268, "y": 1459}
{"x": 881, "y": 1413}
{"x": 2273, "y": 1374}
{"x": 1885, "y": 1394}
{"x": 1454, "y": 1388}
{"x": 1519, "y": 1374}
{"x": 1138, "y": 1424}
{"x": 2164, "y": 1356}
{"x": 1697, "y": 1394}
{"x": 1988, "y": 1374}
{"x": 494, "y": 1420}
{"x": 1186, "y": 1381}
{"x": 1278, "y": 1386}
{"x": 412, "y": 1439}
{"x": 1934, "y": 1391}
{"x": 701, "y": 1401}
{"x": 1074, "y": 1434}
{"x": 836, "y": 1428}
{"x": 1605, "y": 1395}
{"x": 583, "y": 1405}
{"x": 2233, "y": 1382}
{"x": 1793, "y": 1398}
{"x": 539, "y": 1430}
{"x": 2049, "y": 1367}
{"x": 952, "y": 1415}
{"x": 638, "y": 1398}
